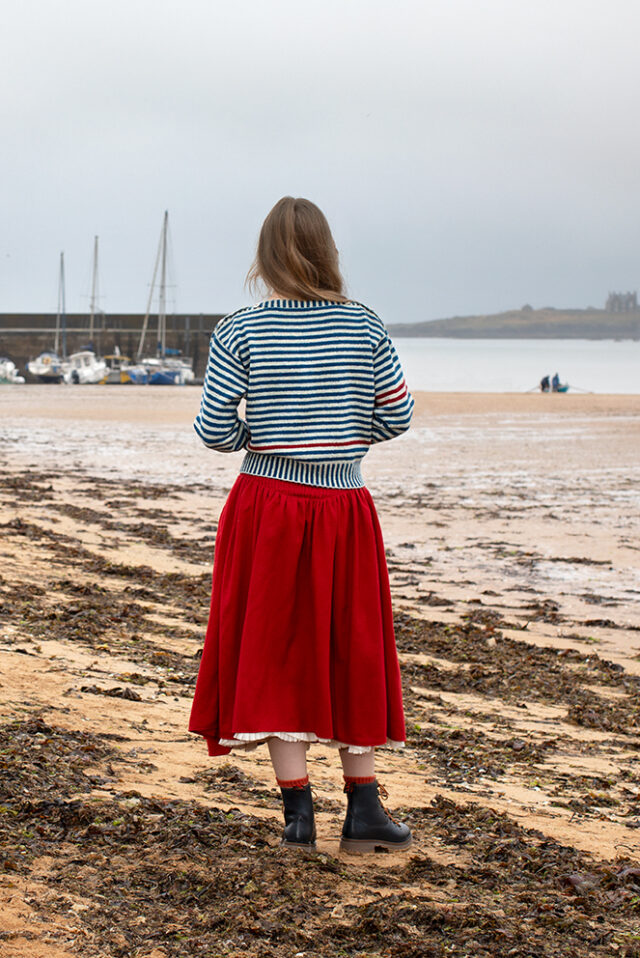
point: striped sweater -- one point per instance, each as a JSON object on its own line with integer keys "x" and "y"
{"x": 322, "y": 383}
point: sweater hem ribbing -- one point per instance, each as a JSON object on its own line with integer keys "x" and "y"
{"x": 332, "y": 475}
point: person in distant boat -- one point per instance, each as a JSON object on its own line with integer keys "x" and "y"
{"x": 545, "y": 385}
{"x": 555, "y": 383}
{"x": 300, "y": 644}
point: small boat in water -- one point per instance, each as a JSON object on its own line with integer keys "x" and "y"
{"x": 9, "y": 372}
{"x": 84, "y": 367}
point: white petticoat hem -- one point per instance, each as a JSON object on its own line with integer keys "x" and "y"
{"x": 249, "y": 740}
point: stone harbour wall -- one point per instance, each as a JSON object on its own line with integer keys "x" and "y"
{"x": 23, "y": 336}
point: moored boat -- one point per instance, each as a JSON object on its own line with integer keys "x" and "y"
{"x": 168, "y": 372}
{"x": 117, "y": 368}
{"x": 84, "y": 367}
{"x": 47, "y": 368}
{"x": 155, "y": 371}
{"x": 137, "y": 373}
{"x": 9, "y": 372}
{"x": 167, "y": 367}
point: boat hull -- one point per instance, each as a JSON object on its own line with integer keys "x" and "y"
{"x": 165, "y": 377}
{"x": 160, "y": 372}
{"x": 84, "y": 368}
{"x": 47, "y": 368}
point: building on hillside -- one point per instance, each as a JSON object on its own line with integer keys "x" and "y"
{"x": 622, "y": 302}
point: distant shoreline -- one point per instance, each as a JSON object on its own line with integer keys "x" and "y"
{"x": 527, "y": 323}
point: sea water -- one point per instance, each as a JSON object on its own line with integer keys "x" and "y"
{"x": 518, "y": 365}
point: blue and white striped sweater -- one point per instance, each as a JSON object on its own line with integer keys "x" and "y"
{"x": 322, "y": 383}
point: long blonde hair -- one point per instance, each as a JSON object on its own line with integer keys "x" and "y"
{"x": 296, "y": 254}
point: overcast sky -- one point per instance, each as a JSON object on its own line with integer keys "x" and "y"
{"x": 471, "y": 155}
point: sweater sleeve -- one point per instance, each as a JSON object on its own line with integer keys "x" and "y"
{"x": 225, "y": 383}
{"x": 393, "y": 401}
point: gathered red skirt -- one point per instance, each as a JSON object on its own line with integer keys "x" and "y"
{"x": 300, "y": 640}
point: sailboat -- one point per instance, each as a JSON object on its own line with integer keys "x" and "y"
{"x": 49, "y": 367}
{"x": 167, "y": 367}
{"x": 84, "y": 366}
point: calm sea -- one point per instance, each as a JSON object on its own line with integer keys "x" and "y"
{"x": 517, "y": 365}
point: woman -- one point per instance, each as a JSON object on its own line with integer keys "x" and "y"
{"x": 300, "y": 644}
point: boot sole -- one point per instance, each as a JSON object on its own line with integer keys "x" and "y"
{"x": 308, "y": 846}
{"x": 359, "y": 846}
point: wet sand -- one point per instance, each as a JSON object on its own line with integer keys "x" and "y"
{"x": 511, "y": 524}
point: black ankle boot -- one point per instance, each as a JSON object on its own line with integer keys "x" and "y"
{"x": 299, "y": 825}
{"x": 367, "y": 825}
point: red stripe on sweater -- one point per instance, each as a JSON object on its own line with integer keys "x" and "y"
{"x": 390, "y": 392}
{"x": 387, "y": 402}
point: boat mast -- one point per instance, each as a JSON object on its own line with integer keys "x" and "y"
{"x": 145, "y": 321}
{"x": 94, "y": 289}
{"x": 64, "y": 309}
{"x": 162, "y": 299}
{"x": 56, "y": 341}
{"x": 61, "y": 318}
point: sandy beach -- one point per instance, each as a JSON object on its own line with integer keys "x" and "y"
{"x": 512, "y": 527}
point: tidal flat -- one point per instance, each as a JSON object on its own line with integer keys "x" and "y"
{"x": 512, "y": 531}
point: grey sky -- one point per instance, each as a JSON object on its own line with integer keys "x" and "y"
{"x": 470, "y": 156}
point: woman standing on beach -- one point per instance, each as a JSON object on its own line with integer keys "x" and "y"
{"x": 300, "y": 645}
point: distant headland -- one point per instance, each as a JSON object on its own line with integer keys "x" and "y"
{"x": 620, "y": 319}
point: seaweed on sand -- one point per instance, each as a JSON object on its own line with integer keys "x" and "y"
{"x": 139, "y": 875}
{"x": 495, "y": 666}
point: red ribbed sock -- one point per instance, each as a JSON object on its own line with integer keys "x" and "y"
{"x": 293, "y": 782}
{"x": 362, "y": 780}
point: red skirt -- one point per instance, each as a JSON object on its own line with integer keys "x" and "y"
{"x": 300, "y": 640}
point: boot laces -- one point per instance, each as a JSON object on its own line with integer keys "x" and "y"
{"x": 349, "y": 787}
{"x": 385, "y": 794}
